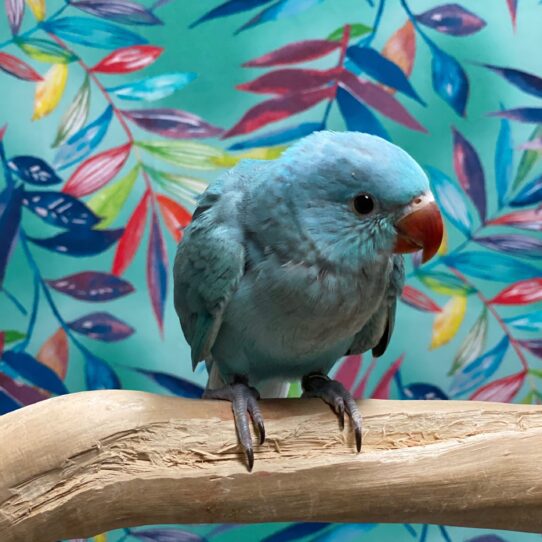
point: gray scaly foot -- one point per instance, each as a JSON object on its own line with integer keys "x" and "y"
{"x": 337, "y": 397}
{"x": 244, "y": 399}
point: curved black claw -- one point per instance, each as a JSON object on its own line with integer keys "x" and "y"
{"x": 337, "y": 397}
{"x": 243, "y": 399}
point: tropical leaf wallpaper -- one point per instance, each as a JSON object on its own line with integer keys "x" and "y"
{"x": 116, "y": 114}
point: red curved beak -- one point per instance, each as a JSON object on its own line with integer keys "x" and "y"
{"x": 420, "y": 228}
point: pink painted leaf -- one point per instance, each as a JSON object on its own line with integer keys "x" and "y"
{"x": 130, "y": 240}
{"x": 417, "y": 299}
{"x": 361, "y": 387}
{"x": 502, "y": 390}
{"x": 16, "y": 67}
{"x": 23, "y": 393}
{"x": 533, "y": 345}
{"x": 277, "y": 109}
{"x": 172, "y": 123}
{"x": 530, "y": 219}
{"x": 157, "y": 271}
{"x": 102, "y": 326}
{"x": 54, "y": 353}
{"x": 289, "y": 80}
{"x": 521, "y": 114}
{"x": 452, "y": 19}
{"x": 176, "y": 217}
{"x": 382, "y": 390}
{"x": 376, "y": 97}
{"x": 468, "y": 169}
{"x": 15, "y": 12}
{"x": 349, "y": 370}
{"x": 92, "y": 286}
{"x": 512, "y": 8}
{"x": 299, "y": 51}
{"x": 128, "y": 59}
{"x": 97, "y": 171}
{"x": 520, "y": 293}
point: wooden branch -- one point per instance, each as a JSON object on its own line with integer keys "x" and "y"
{"x": 85, "y": 463}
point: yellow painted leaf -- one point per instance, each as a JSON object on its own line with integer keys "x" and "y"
{"x": 448, "y": 321}
{"x": 443, "y": 249}
{"x": 401, "y": 49}
{"x": 260, "y": 153}
{"x": 50, "y": 90}
{"x": 100, "y": 538}
{"x": 37, "y": 7}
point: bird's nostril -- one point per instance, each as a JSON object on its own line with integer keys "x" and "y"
{"x": 417, "y": 201}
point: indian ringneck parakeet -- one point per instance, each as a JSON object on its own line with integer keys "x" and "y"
{"x": 290, "y": 264}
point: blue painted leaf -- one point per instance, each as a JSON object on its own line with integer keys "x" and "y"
{"x": 449, "y": 80}
{"x": 60, "y": 209}
{"x": 534, "y": 346}
{"x": 529, "y": 194}
{"x": 34, "y": 372}
{"x": 517, "y": 245}
{"x": 487, "y": 538}
{"x": 524, "y": 81}
{"x": 10, "y": 219}
{"x": 92, "y": 286}
{"x": 83, "y": 142}
{"x": 172, "y": 123}
{"x": 382, "y": 69}
{"x": 277, "y": 137}
{"x": 33, "y": 170}
{"x": 80, "y": 242}
{"x": 7, "y": 403}
{"x": 92, "y": 33}
{"x": 450, "y": 200}
{"x": 102, "y": 326}
{"x": 99, "y": 375}
{"x": 153, "y": 88}
{"x": 423, "y": 391}
{"x": 531, "y": 321}
{"x": 350, "y": 532}
{"x": 488, "y": 266}
{"x": 295, "y": 532}
{"x": 357, "y": 116}
{"x": 176, "y": 385}
{"x": 119, "y": 11}
{"x": 504, "y": 156}
{"x": 475, "y": 373}
{"x": 280, "y": 9}
{"x": 521, "y": 114}
{"x": 451, "y": 19}
{"x": 469, "y": 171}
{"x": 164, "y": 534}
{"x": 157, "y": 271}
{"x": 229, "y": 8}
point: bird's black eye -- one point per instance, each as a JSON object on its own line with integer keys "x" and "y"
{"x": 363, "y": 204}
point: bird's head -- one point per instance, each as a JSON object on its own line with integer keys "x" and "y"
{"x": 356, "y": 196}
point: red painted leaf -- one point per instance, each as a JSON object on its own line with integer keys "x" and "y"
{"x": 376, "y": 97}
{"x": 128, "y": 59}
{"x": 24, "y": 394}
{"x": 360, "y": 390}
{"x": 502, "y": 390}
{"x": 172, "y": 123}
{"x": 175, "y": 216}
{"x": 277, "y": 109}
{"x": 97, "y": 171}
{"x": 520, "y": 293}
{"x": 3, "y": 131}
{"x": 157, "y": 271}
{"x": 289, "y": 80}
{"x": 54, "y": 353}
{"x": 413, "y": 297}
{"x": 382, "y": 390}
{"x": 16, "y": 67}
{"x": 531, "y": 219}
{"x": 468, "y": 169}
{"x": 300, "y": 51}
{"x": 2, "y": 342}
{"x": 129, "y": 242}
{"x": 349, "y": 370}
{"x": 15, "y": 12}
{"x": 513, "y": 8}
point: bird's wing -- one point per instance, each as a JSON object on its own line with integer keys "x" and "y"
{"x": 208, "y": 268}
{"x": 376, "y": 333}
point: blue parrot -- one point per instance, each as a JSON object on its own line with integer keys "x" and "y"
{"x": 290, "y": 264}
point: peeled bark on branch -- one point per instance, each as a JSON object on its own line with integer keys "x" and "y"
{"x": 85, "y": 463}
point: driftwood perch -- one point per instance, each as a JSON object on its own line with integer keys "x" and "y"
{"x": 85, "y": 463}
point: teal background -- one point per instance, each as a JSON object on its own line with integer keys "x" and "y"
{"x": 216, "y": 54}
